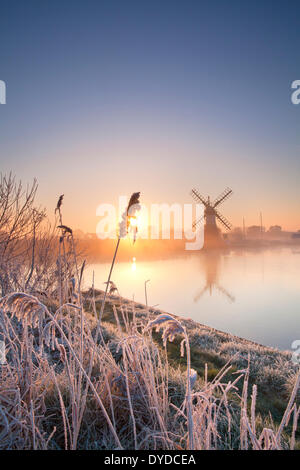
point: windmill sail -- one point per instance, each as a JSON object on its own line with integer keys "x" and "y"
{"x": 197, "y": 197}
{"x": 223, "y": 219}
{"x": 224, "y": 195}
{"x": 198, "y": 221}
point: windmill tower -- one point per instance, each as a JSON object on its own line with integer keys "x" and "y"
{"x": 212, "y": 234}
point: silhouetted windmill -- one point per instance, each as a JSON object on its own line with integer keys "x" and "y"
{"x": 212, "y": 237}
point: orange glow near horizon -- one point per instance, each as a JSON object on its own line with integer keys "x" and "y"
{"x": 80, "y": 215}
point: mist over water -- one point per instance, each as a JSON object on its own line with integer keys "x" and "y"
{"x": 252, "y": 294}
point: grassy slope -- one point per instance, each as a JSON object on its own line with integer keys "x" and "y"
{"x": 215, "y": 348}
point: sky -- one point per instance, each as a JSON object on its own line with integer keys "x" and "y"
{"x": 105, "y": 98}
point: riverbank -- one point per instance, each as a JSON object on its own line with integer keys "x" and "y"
{"x": 72, "y": 382}
{"x": 270, "y": 369}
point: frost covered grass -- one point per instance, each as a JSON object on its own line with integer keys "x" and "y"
{"x": 271, "y": 370}
{"x": 131, "y": 396}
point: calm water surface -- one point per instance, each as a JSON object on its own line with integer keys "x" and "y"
{"x": 255, "y": 295}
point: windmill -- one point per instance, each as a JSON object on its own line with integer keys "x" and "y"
{"x": 212, "y": 235}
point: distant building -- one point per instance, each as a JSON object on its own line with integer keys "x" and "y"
{"x": 255, "y": 230}
{"x": 296, "y": 235}
{"x": 237, "y": 234}
{"x": 275, "y": 229}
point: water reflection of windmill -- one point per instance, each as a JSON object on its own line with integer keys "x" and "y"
{"x": 211, "y": 263}
{"x": 212, "y": 234}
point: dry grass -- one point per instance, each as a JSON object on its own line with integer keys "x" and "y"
{"x": 130, "y": 397}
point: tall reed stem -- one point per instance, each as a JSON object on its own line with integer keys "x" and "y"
{"x": 189, "y": 395}
{"x": 108, "y": 281}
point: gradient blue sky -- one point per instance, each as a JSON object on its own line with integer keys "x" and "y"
{"x": 109, "y": 97}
